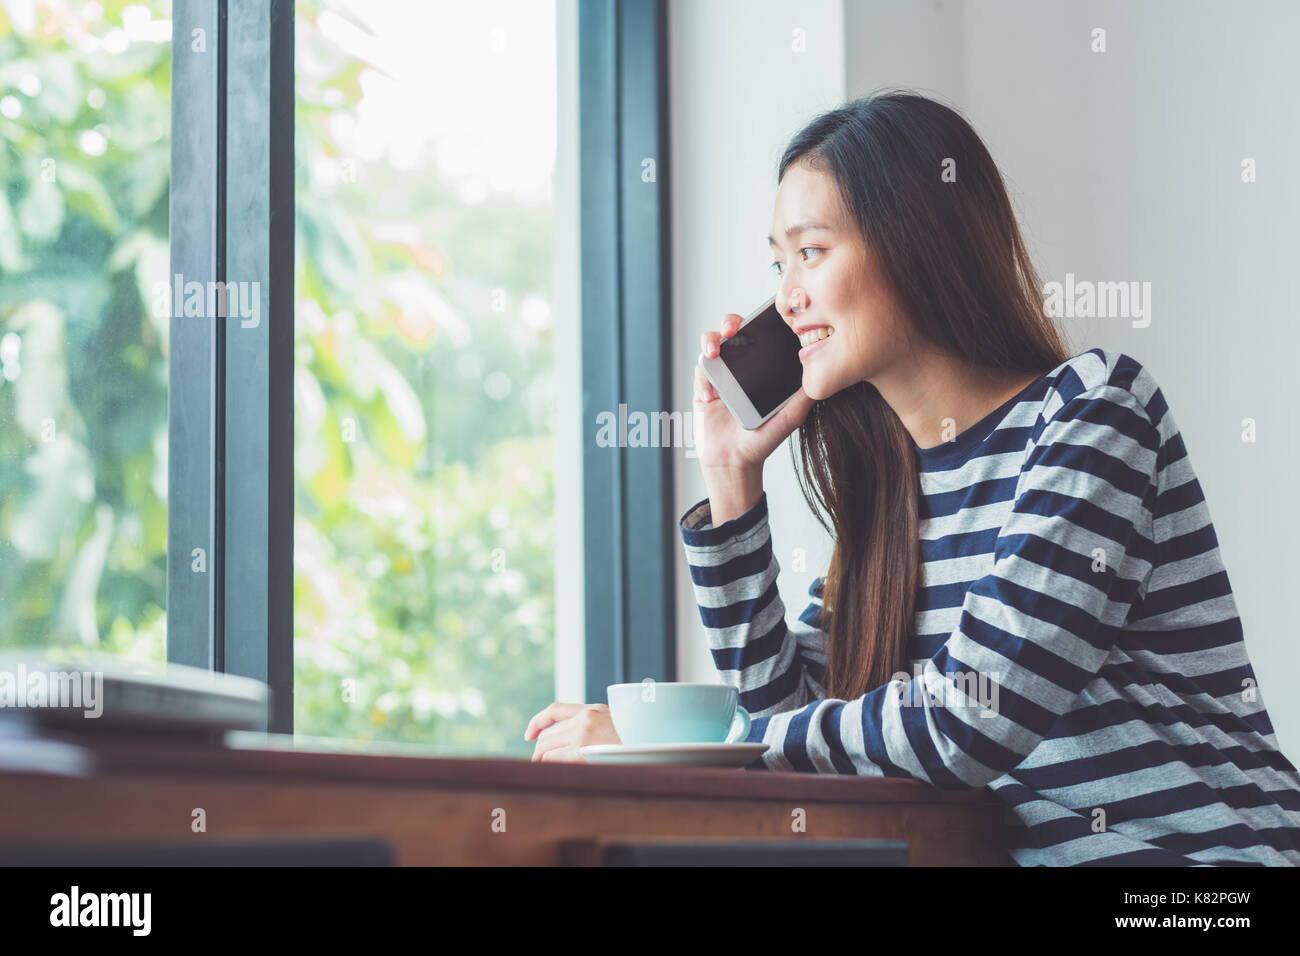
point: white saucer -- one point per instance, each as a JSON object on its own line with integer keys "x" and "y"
{"x": 699, "y": 755}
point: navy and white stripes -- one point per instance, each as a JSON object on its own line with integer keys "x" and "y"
{"x": 1076, "y": 647}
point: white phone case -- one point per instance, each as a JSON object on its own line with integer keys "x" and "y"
{"x": 730, "y": 390}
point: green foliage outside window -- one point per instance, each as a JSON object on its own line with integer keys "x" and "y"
{"x": 424, "y": 412}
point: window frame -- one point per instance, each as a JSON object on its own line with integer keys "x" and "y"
{"x": 230, "y": 396}
{"x": 629, "y": 527}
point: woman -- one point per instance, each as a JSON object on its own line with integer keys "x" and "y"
{"x": 1026, "y": 584}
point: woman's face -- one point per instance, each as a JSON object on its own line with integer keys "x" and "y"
{"x": 829, "y": 279}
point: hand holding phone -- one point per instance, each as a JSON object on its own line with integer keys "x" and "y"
{"x": 722, "y": 440}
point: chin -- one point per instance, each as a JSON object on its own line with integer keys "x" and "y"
{"x": 814, "y": 389}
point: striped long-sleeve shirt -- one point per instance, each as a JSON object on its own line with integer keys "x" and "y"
{"x": 1069, "y": 566}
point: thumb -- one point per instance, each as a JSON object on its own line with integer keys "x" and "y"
{"x": 796, "y": 411}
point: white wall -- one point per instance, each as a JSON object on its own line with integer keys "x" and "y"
{"x": 570, "y": 609}
{"x": 738, "y": 92}
{"x": 1124, "y": 166}
{"x": 1128, "y": 167}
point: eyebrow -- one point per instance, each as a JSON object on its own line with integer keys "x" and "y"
{"x": 800, "y": 227}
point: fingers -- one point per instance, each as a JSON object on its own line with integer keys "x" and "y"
{"x": 561, "y": 740}
{"x": 564, "y": 755}
{"x": 548, "y": 716}
{"x": 704, "y": 392}
{"x": 553, "y": 737}
{"x": 710, "y": 342}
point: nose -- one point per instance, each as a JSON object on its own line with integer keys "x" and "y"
{"x": 796, "y": 301}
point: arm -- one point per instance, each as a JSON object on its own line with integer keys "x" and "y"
{"x": 775, "y": 667}
{"x": 1071, "y": 559}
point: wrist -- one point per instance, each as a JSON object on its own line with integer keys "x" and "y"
{"x": 732, "y": 492}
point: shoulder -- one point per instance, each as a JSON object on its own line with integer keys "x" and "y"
{"x": 1103, "y": 419}
{"x": 1105, "y": 387}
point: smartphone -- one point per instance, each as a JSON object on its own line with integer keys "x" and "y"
{"x": 758, "y": 369}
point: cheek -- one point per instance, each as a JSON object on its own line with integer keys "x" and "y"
{"x": 871, "y": 329}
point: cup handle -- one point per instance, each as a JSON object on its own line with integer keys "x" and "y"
{"x": 734, "y": 735}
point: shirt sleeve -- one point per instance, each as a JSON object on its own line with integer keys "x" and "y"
{"x": 775, "y": 666}
{"x": 1071, "y": 559}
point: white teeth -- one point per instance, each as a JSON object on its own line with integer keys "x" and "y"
{"x": 815, "y": 335}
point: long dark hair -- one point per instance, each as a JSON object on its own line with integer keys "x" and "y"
{"x": 954, "y": 256}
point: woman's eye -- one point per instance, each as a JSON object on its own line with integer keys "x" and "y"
{"x": 776, "y": 266}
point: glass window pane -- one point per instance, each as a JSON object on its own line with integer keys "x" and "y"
{"x": 84, "y": 153}
{"x": 425, "y": 446}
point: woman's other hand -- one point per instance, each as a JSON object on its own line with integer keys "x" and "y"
{"x": 561, "y": 729}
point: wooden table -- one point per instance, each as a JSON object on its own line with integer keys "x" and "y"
{"x": 105, "y": 789}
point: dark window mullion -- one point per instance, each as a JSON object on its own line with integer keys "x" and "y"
{"x": 601, "y": 360}
{"x": 628, "y": 505}
{"x": 258, "y": 461}
{"x": 646, "y": 340}
{"x": 193, "y": 553}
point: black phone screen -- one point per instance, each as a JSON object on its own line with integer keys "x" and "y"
{"x": 764, "y": 357}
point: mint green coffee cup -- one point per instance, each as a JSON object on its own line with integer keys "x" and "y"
{"x": 665, "y": 712}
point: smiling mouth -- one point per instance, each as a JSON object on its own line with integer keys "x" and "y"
{"x": 815, "y": 335}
